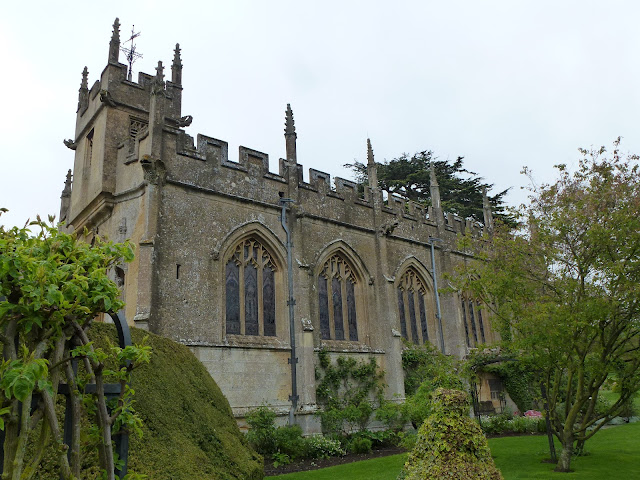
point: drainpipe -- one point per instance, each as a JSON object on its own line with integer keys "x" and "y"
{"x": 435, "y": 287}
{"x": 293, "y": 360}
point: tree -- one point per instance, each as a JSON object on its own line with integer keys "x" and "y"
{"x": 565, "y": 290}
{"x": 410, "y": 177}
{"x": 52, "y": 286}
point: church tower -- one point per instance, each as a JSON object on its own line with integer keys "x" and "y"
{"x": 119, "y": 145}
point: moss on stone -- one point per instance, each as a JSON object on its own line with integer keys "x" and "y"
{"x": 450, "y": 444}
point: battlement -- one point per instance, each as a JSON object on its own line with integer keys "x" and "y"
{"x": 144, "y": 120}
{"x": 205, "y": 163}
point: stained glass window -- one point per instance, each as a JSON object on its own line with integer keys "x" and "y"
{"x": 250, "y": 290}
{"x": 337, "y": 300}
{"x": 466, "y": 323}
{"x": 472, "y": 319}
{"x": 412, "y": 307}
{"x": 481, "y": 323}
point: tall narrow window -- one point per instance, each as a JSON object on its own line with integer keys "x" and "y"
{"x": 412, "y": 307}
{"x": 472, "y": 319}
{"x": 250, "y": 290}
{"x": 88, "y": 149}
{"x": 465, "y": 322}
{"x": 403, "y": 320}
{"x": 323, "y": 301}
{"x": 481, "y": 323}
{"x": 337, "y": 300}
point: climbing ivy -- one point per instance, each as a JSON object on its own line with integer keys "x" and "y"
{"x": 517, "y": 381}
{"x": 516, "y": 374}
{"x": 425, "y": 370}
{"x": 348, "y": 390}
{"x": 450, "y": 444}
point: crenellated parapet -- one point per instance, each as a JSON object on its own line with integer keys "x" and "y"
{"x": 205, "y": 164}
{"x": 143, "y": 119}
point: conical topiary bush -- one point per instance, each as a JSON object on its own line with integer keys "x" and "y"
{"x": 450, "y": 444}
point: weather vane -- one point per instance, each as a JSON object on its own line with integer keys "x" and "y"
{"x": 130, "y": 52}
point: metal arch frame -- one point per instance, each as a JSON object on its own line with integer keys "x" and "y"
{"x": 111, "y": 390}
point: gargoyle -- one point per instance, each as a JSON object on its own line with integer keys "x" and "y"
{"x": 70, "y": 144}
{"x": 105, "y": 97}
{"x": 388, "y": 228}
{"x": 185, "y": 121}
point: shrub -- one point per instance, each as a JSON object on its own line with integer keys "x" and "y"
{"x": 392, "y": 415}
{"x": 281, "y": 459}
{"x": 628, "y": 409}
{"x": 382, "y": 438}
{"x": 357, "y": 416}
{"x": 289, "y": 440}
{"x": 499, "y": 424}
{"x": 266, "y": 438}
{"x": 496, "y": 424}
{"x": 603, "y": 405}
{"x": 408, "y": 440}
{"x": 189, "y": 429}
{"x": 360, "y": 445}
{"x": 262, "y": 435}
{"x": 450, "y": 444}
{"x": 318, "y": 446}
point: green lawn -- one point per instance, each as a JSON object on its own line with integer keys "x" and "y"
{"x": 613, "y": 454}
{"x": 611, "y": 397}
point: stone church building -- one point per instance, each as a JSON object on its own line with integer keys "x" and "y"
{"x": 214, "y": 266}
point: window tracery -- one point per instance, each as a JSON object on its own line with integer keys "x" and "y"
{"x": 337, "y": 285}
{"x": 412, "y": 307}
{"x": 474, "y": 327}
{"x": 250, "y": 290}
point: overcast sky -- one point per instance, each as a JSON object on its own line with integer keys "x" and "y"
{"x": 503, "y": 83}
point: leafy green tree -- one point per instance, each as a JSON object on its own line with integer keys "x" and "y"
{"x": 460, "y": 190}
{"x": 565, "y": 290}
{"x": 52, "y": 286}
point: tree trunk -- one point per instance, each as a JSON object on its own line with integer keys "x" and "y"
{"x": 76, "y": 409}
{"x": 564, "y": 462}
{"x": 25, "y": 422}
{"x": 51, "y": 417}
{"x": 104, "y": 422}
{"x": 11, "y": 432}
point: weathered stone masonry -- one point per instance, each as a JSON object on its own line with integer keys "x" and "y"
{"x": 210, "y": 268}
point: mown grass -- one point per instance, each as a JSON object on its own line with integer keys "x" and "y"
{"x": 611, "y": 397}
{"x": 612, "y": 454}
{"x": 377, "y": 469}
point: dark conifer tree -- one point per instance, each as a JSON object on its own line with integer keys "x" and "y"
{"x": 460, "y": 189}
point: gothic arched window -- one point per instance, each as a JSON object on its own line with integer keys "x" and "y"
{"x": 337, "y": 300}
{"x": 412, "y": 307}
{"x": 472, "y": 316}
{"x": 250, "y": 290}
